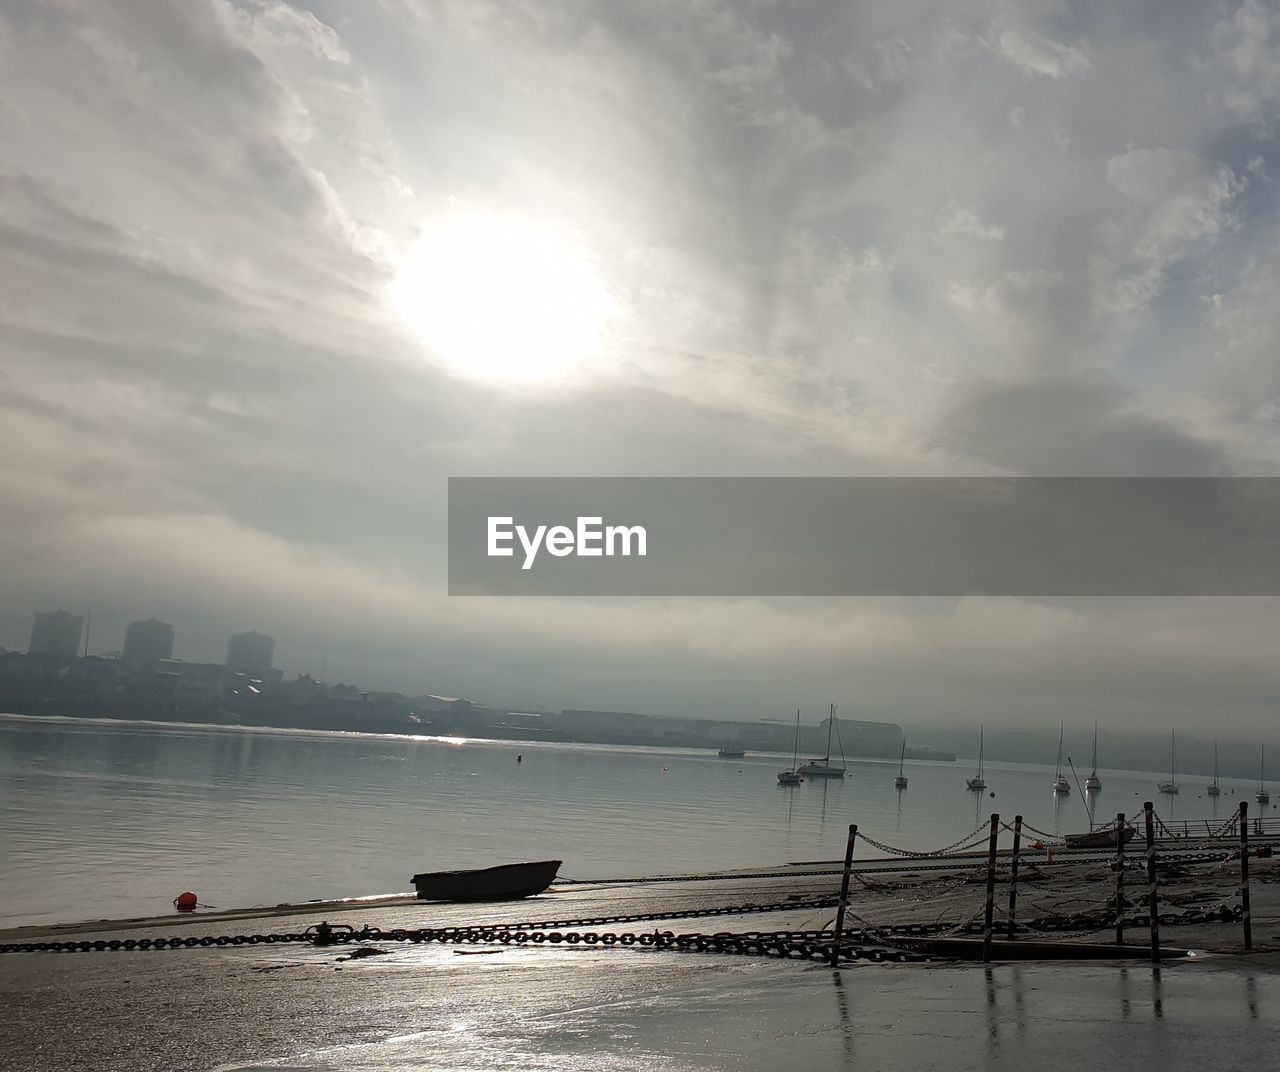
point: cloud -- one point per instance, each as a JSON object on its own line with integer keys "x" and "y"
{"x": 1245, "y": 48}
{"x": 1083, "y": 424}
{"x": 966, "y": 224}
{"x": 845, "y": 239}
{"x": 1037, "y": 55}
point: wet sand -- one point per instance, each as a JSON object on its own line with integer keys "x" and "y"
{"x": 470, "y": 1007}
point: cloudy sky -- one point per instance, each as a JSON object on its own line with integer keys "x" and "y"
{"x": 271, "y": 272}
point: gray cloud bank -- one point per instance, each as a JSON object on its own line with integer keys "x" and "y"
{"x": 903, "y": 239}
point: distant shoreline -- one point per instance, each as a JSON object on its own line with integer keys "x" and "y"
{"x": 426, "y": 732}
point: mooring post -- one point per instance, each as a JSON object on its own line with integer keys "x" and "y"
{"x": 1153, "y": 893}
{"x": 844, "y": 894}
{"x": 991, "y": 888}
{"x": 1120, "y": 878}
{"x": 1013, "y": 875}
{"x": 1244, "y": 876}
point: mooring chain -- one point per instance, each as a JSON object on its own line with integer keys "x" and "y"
{"x": 810, "y": 945}
{"x": 714, "y": 876}
{"x": 788, "y": 943}
{"x": 970, "y": 840}
{"x": 464, "y": 932}
{"x": 1057, "y": 838}
{"x": 643, "y": 917}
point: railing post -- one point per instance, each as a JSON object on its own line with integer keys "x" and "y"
{"x": 991, "y": 888}
{"x": 1244, "y": 876}
{"x": 1013, "y": 875}
{"x": 844, "y": 894}
{"x": 1153, "y": 893}
{"x": 1120, "y": 878}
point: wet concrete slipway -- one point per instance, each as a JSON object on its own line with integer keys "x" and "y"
{"x": 553, "y": 1006}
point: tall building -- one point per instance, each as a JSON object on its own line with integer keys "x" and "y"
{"x": 56, "y": 633}
{"x": 250, "y": 653}
{"x": 145, "y": 642}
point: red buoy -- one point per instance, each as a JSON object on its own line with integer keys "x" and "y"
{"x": 185, "y": 902}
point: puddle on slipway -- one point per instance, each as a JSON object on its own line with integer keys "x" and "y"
{"x": 595, "y": 1013}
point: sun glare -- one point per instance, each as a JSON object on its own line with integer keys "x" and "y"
{"x": 500, "y": 298}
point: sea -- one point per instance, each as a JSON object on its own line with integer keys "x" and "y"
{"x": 105, "y": 819}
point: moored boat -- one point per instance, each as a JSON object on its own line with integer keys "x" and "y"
{"x": 1213, "y": 788}
{"x": 1060, "y": 783}
{"x": 506, "y": 882}
{"x": 731, "y": 753}
{"x": 1262, "y": 796}
{"x": 901, "y": 780}
{"x": 1098, "y": 839}
{"x": 824, "y": 768}
{"x": 978, "y": 783}
{"x": 1171, "y": 787}
{"x": 793, "y": 776}
{"x": 1093, "y": 783}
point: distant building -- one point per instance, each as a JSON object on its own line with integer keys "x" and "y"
{"x": 250, "y": 653}
{"x": 145, "y": 642}
{"x": 56, "y": 634}
{"x": 627, "y": 722}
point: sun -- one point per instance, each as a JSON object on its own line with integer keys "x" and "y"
{"x": 501, "y": 298}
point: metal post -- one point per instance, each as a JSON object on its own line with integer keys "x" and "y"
{"x": 844, "y": 894}
{"x": 991, "y": 888}
{"x": 1120, "y": 878}
{"x": 1013, "y": 875}
{"x": 1244, "y": 876}
{"x": 1153, "y": 893}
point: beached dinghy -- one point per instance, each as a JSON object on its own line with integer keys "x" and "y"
{"x": 1103, "y": 838}
{"x": 507, "y": 882}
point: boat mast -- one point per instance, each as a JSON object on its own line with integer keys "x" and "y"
{"x": 1215, "y": 762}
{"x": 1262, "y": 767}
{"x": 1173, "y": 757}
{"x": 795, "y": 747}
{"x": 1057, "y": 773}
{"x": 831, "y": 717}
{"x": 1095, "y": 749}
{"x": 980, "y": 729}
{"x": 903, "y": 758}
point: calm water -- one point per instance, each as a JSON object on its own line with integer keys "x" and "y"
{"x": 107, "y": 819}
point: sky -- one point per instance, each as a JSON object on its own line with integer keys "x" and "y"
{"x": 270, "y": 273}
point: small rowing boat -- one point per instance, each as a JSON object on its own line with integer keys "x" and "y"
{"x": 1097, "y": 839}
{"x": 507, "y": 882}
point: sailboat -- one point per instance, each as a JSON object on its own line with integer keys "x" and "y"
{"x": 792, "y": 776}
{"x": 901, "y": 780}
{"x": 824, "y": 768}
{"x": 1262, "y": 796}
{"x": 1214, "y": 789}
{"x": 1093, "y": 783}
{"x": 1060, "y": 783}
{"x": 729, "y": 752}
{"x": 1171, "y": 787}
{"x": 978, "y": 782}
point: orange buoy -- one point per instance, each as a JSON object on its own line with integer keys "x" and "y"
{"x": 185, "y": 902}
